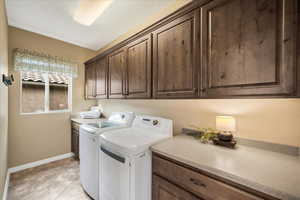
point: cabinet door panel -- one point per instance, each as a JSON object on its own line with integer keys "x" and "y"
{"x": 75, "y": 143}
{"x": 175, "y": 66}
{"x": 101, "y": 78}
{"x": 116, "y": 74}
{"x": 90, "y": 78}
{"x": 139, "y": 68}
{"x": 163, "y": 190}
{"x": 248, "y": 47}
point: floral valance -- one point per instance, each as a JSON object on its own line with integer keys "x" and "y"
{"x": 33, "y": 61}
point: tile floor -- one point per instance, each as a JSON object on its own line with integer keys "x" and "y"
{"x": 54, "y": 181}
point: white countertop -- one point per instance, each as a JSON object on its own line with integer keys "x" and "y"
{"x": 272, "y": 173}
{"x": 87, "y": 121}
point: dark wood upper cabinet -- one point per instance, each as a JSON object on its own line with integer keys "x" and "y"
{"x": 90, "y": 81}
{"x": 116, "y": 75}
{"x": 101, "y": 78}
{"x": 249, "y": 47}
{"x": 175, "y": 65}
{"x": 207, "y": 49}
{"x": 138, "y": 73}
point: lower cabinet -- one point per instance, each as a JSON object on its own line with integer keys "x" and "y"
{"x": 164, "y": 190}
{"x": 173, "y": 180}
{"x": 75, "y": 140}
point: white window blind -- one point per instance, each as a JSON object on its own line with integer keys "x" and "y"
{"x": 32, "y": 61}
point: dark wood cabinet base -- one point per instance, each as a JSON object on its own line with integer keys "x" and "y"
{"x": 75, "y": 139}
{"x": 179, "y": 179}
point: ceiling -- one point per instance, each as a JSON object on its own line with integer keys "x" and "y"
{"x": 54, "y": 18}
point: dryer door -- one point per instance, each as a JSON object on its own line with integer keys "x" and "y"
{"x": 115, "y": 175}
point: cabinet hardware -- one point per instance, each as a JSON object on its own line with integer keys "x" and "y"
{"x": 197, "y": 182}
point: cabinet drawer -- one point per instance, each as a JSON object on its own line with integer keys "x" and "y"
{"x": 163, "y": 190}
{"x": 199, "y": 184}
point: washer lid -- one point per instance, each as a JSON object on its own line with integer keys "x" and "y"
{"x": 95, "y": 129}
{"x": 132, "y": 140}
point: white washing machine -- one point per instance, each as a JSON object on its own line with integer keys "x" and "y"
{"x": 89, "y": 145}
{"x": 125, "y": 158}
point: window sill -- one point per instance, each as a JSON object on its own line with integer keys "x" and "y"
{"x": 49, "y": 112}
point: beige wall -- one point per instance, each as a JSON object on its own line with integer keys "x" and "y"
{"x": 36, "y": 137}
{"x": 3, "y": 97}
{"x": 152, "y": 19}
{"x": 272, "y": 120}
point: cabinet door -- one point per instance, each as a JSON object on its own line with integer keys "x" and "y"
{"x": 90, "y": 81}
{"x": 75, "y": 143}
{"x": 175, "y": 64}
{"x": 101, "y": 78}
{"x": 138, "y": 79}
{"x": 117, "y": 66}
{"x": 163, "y": 190}
{"x": 249, "y": 47}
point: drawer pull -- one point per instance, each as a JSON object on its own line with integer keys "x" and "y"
{"x": 197, "y": 182}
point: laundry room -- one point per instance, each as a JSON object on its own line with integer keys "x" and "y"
{"x": 150, "y": 100}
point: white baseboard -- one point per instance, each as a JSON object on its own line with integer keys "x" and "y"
{"x": 4, "y": 197}
{"x": 40, "y": 162}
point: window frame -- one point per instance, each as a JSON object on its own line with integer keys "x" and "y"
{"x": 47, "y": 97}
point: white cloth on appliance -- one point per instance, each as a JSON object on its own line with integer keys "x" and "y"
{"x": 94, "y": 113}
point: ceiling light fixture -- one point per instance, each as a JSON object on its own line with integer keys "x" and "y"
{"x": 89, "y": 10}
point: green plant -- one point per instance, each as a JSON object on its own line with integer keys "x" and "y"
{"x": 206, "y": 134}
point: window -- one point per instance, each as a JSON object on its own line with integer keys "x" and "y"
{"x": 45, "y": 92}
{"x": 46, "y": 81}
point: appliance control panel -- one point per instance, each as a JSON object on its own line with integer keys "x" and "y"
{"x": 157, "y": 124}
{"x": 153, "y": 122}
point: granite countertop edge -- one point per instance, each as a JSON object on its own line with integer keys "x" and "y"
{"x": 234, "y": 178}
